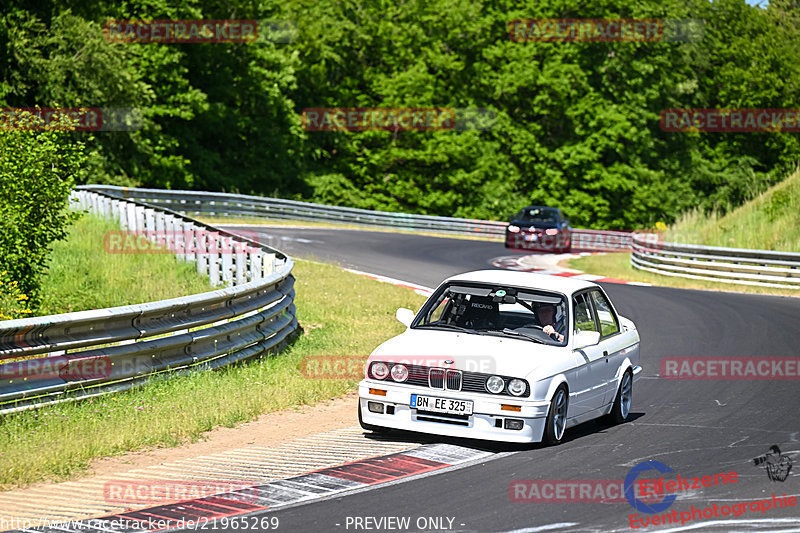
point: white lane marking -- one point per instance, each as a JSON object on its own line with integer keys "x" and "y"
{"x": 419, "y": 289}
{"x": 727, "y": 523}
{"x": 548, "y": 527}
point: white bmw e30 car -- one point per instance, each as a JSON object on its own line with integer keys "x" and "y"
{"x": 506, "y": 356}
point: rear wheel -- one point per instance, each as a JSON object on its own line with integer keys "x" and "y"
{"x": 556, "y": 422}
{"x": 622, "y": 403}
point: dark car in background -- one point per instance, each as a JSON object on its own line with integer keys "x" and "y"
{"x": 539, "y": 228}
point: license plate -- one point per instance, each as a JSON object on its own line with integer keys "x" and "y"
{"x": 441, "y": 405}
{"x": 531, "y": 237}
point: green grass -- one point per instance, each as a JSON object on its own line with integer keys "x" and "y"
{"x": 618, "y": 265}
{"x": 771, "y": 221}
{"x": 83, "y": 275}
{"x": 342, "y": 314}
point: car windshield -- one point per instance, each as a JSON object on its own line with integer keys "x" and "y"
{"x": 497, "y": 310}
{"x": 538, "y": 215}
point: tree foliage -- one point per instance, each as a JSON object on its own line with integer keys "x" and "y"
{"x": 577, "y": 124}
{"x": 37, "y": 171}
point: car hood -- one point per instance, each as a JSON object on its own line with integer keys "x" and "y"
{"x": 487, "y": 354}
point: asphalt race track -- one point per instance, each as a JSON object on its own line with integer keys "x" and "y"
{"x": 695, "y": 427}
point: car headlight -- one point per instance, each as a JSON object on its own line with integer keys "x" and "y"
{"x": 379, "y": 370}
{"x": 495, "y": 384}
{"x": 552, "y": 231}
{"x": 516, "y": 387}
{"x": 399, "y": 373}
{"x": 513, "y": 229}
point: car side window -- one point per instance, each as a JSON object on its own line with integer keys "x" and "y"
{"x": 584, "y": 321}
{"x": 605, "y": 314}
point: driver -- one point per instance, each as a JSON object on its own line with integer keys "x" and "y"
{"x": 546, "y": 315}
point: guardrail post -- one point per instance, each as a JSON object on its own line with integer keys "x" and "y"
{"x": 161, "y": 223}
{"x": 190, "y": 244}
{"x": 201, "y": 238}
{"x": 121, "y": 214}
{"x": 213, "y": 258}
{"x": 139, "y": 212}
{"x": 269, "y": 264}
{"x": 180, "y": 244}
{"x": 131, "y": 215}
{"x": 226, "y": 249}
{"x": 169, "y": 232}
{"x": 106, "y": 211}
{"x": 256, "y": 264}
{"x": 150, "y": 223}
{"x": 241, "y": 263}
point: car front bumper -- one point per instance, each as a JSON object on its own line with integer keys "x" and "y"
{"x": 487, "y": 422}
{"x": 538, "y": 241}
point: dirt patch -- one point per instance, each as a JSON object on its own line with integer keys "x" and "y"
{"x": 270, "y": 428}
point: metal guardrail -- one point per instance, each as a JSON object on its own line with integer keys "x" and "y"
{"x": 225, "y": 204}
{"x": 93, "y": 352}
{"x": 729, "y": 265}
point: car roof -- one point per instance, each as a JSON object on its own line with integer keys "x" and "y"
{"x": 530, "y": 280}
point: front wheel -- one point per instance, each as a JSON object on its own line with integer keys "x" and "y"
{"x": 622, "y": 403}
{"x": 556, "y": 422}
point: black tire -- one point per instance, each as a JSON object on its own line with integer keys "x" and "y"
{"x": 368, "y": 427}
{"x": 556, "y": 422}
{"x": 621, "y": 409}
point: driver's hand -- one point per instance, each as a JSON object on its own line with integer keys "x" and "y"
{"x": 550, "y": 330}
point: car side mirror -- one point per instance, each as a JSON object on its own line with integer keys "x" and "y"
{"x": 404, "y": 316}
{"x": 586, "y": 338}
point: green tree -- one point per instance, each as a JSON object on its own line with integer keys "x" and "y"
{"x": 37, "y": 172}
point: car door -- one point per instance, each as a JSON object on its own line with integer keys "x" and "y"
{"x": 612, "y": 342}
{"x": 589, "y": 391}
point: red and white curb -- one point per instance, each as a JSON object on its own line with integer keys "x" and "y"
{"x": 546, "y": 264}
{"x": 419, "y": 289}
{"x": 315, "y": 485}
{"x": 518, "y": 263}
